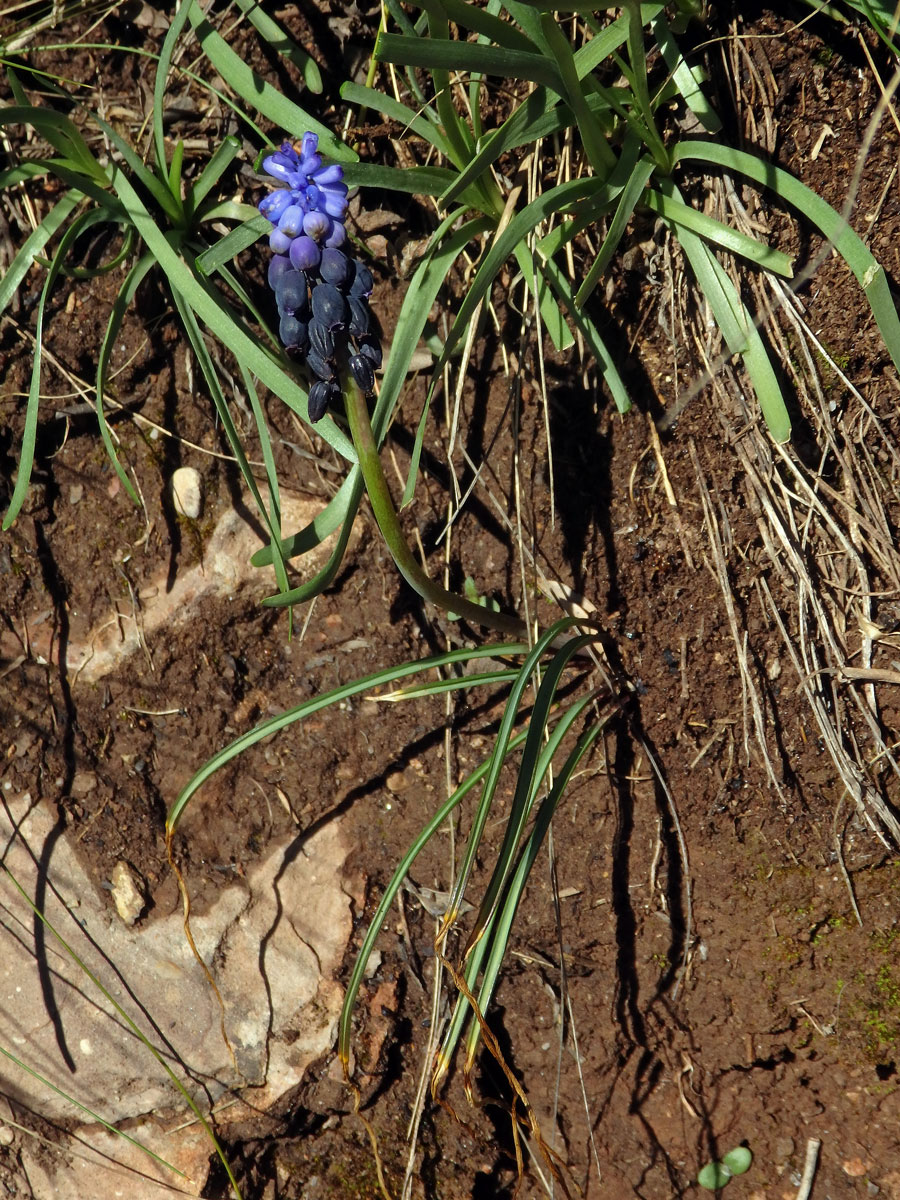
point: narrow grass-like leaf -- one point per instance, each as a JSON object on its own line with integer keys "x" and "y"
{"x": 610, "y": 372}
{"x": 232, "y": 281}
{"x": 15, "y": 86}
{"x": 822, "y": 8}
{"x": 317, "y": 703}
{"x": 275, "y": 36}
{"x": 122, "y": 255}
{"x": 585, "y": 7}
{"x": 540, "y": 115}
{"x": 737, "y": 326}
{"x": 523, "y": 125}
{"x": 94, "y": 1116}
{"x": 173, "y": 33}
{"x": 529, "y": 21}
{"x": 502, "y": 925}
{"x": 755, "y": 356}
{"x": 498, "y": 757}
{"x": 533, "y": 767}
{"x": 269, "y": 101}
{"x": 851, "y": 248}
{"x": 420, "y": 296}
{"x": 405, "y": 25}
{"x": 34, "y": 244}
{"x": 171, "y": 205}
{"x": 202, "y": 83}
{"x": 331, "y": 516}
{"x": 458, "y": 132}
{"x": 436, "y": 687}
{"x": 73, "y": 179}
{"x": 228, "y": 210}
{"x": 553, "y": 320}
{"x": 530, "y": 775}
{"x": 599, "y": 153}
{"x": 419, "y": 123}
{"x": 683, "y": 216}
{"x": 274, "y": 513}
{"x": 639, "y": 79}
{"x": 134, "y": 1028}
{"x": 447, "y": 55}
{"x": 29, "y": 432}
{"x": 62, "y": 135}
{"x": 385, "y": 512}
{"x": 428, "y": 832}
{"x": 545, "y": 205}
{"x": 481, "y": 21}
{"x": 684, "y": 77}
{"x": 881, "y": 15}
{"x": 326, "y": 576}
{"x": 123, "y": 300}
{"x": 33, "y": 169}
{"x": 223, "y": 156}
{"x": 229, "y": 246}
{"x": 607, "y": 41}
{"x": 173, "y": 174}
{"x": 628, "y": 200}
{"x": 417, "y": 181}
{"x": 235, "y": 440}
{"x": 444, "y": 247}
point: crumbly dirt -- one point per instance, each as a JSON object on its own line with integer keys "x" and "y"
{"x": 655, "y": 1016}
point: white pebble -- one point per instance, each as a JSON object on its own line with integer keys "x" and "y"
{"x": 126, "y": 893}
{"x": 187, "y": 492}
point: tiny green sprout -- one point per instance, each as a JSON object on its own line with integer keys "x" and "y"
{"x": 716, "y": 1174}
{"x": 470, "y": 591}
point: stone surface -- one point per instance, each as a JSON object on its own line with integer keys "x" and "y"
{"x": 274, "y": 942}
{"x": 276, "y": 939}
{"x": 94, "y": 652}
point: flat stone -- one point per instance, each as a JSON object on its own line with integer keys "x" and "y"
{"x": 274, "y": 942}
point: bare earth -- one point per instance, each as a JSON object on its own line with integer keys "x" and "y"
{"x": 725, "y": 965}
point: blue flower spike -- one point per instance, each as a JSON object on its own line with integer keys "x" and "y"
{"x": 322, "y": 294}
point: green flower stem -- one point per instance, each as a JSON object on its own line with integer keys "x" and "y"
{"x": 389, "y": 524}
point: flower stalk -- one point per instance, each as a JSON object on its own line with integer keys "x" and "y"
{"x": 389, "y": 524}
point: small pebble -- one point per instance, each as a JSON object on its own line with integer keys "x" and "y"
{"x": 83, "y": 784}
{"x": 187, "y": 493}
{"x": 855, "y": 1168}
{"x": 784, "y": 1148}
{"x": 127, "y": 892}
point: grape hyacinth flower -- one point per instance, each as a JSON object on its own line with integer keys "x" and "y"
{"x": 321, "y": 293}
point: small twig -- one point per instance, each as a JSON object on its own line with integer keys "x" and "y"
{"x": 838, "y": 836}
{"x": 809, "y": 1168}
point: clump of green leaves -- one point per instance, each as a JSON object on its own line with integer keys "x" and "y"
{"x": 716, "y": 1174}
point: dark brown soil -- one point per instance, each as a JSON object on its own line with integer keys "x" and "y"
{"x": 655, "y": 1018}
